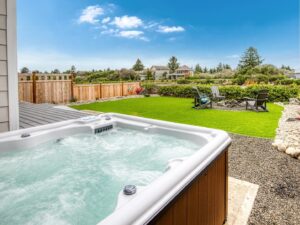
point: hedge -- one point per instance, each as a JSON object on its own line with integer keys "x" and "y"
{"x": 277, "y": 93}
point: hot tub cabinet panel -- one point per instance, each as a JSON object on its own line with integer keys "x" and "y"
{"x": 203, "y": 202}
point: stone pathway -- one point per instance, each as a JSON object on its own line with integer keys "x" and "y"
{"x": 241, "y": 196}
{"x": 288, "y": 132}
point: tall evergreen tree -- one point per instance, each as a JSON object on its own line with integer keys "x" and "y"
{"x": 198, "y": 69}
{"x": 250, "y": 59}
{"x": 219, "y": 67}
{"x": 173, "y": 64}
{"x": 138, "y": 66}
{"x": 227, "y": 67}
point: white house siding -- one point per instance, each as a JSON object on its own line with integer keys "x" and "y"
{"x": 8, "y": 67}
{"x": 297, "y": 75}
{"x": 158, "y": 74}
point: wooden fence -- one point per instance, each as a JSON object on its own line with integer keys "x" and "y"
{"x": 60, "y": 88}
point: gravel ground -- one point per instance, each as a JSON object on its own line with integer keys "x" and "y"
{"x": 277, "y": 174}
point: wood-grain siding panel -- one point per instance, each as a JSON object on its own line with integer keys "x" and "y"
{"x": 203, "y": 202}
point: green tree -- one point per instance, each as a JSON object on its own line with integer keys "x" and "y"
{"x": 226, "y": 67}
{"x": 212, "y": 70}
{"x": 250, "y": 60}
{"x": 73, "y": 69}
{"x": 149, "y": 75}
{"x": 219, "y": 67}
{"x": 205, "y": 70}
{"x": 198, "y": 69}
{"x": 164, "y": 75}
{"x": 24, "y": 70}
{"x": 138, "y": 66}
{"x": 173, "y": 64}
{"x": 283, "y": 67}
{"x": 126, "y": 74}
{"x": 56, "y": 71}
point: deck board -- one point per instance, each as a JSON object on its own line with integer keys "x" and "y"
{"x": 32, "y": 115}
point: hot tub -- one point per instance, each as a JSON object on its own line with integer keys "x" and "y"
{"x": 114, "y": 169}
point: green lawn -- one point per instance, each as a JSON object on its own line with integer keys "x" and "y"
{"x": 180, "y": 110}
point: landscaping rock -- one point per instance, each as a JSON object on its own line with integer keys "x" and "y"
{"x": 221, "y": 103}
{"x": 288, "y": 132}
{"x": 281, "y": 147}
{"x": 295, "y": 152}
{"x": 294, "y": 101}
{"x": 243, "y": 104}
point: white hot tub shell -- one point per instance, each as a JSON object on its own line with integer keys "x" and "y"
{"x": 149, "y": 204}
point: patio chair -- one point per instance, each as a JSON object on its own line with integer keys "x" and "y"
{"x": 201, "y": 100}
{"x": 216, "y": 94}
{"x": 259, "y": 102}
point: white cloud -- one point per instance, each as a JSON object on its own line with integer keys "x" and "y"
{"x": 167, "y": 29}
{"x": 234, "y": 56}
{"x": 110, "y": 31}
{"x": 127, "y": 22}
{"x": 151, "y": 25}
{"x": 90, "y": 14}
{"x": 105, "y": 20}
{"x": 131, "y": 34}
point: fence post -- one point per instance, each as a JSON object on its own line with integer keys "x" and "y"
{"x": 34, "y": 87}
{"x": 72, "y": 86}
{"x": 100, "y": 91}
{"x": 122, "y": 88}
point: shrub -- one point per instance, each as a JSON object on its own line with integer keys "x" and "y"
{"x": 273, "y": 79}
{"x": 262, "y": 79}
{"x": 240, "y": 79}
{"x": 276, "y": 93}
{"x": 183, "y": 81}
{"x": 139, "y": 90}
{"x": 150, "y": 88}
{"x": 297, "y": 81}
{"x": 286, "y": 81}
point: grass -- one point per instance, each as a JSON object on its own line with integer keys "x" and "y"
{"x": 180, "y": 110}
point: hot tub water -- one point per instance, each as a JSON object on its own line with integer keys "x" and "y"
{"x": 76, "y": 180}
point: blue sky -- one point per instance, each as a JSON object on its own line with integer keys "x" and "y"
{"x": 96, "y": 34}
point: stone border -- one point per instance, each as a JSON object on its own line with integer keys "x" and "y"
{"x": 288, "y": 132}
{"x": 110, "y": 99}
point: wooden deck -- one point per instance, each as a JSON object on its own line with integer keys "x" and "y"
{"x": 32, "y": 115}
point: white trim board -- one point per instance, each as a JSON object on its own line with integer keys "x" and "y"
{"x": 12, "y": 66}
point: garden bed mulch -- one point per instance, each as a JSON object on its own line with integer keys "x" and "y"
{"x": 277, "y": 174}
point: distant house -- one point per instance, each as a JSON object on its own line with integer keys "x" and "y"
{"x": 296, "y": 75}
{"x": 182, "y": 71}
{"x": 142, "y": 74}
{"x": 185, "y": 70}
{"x": 159, "y": 72}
